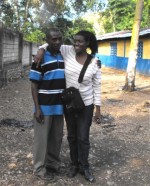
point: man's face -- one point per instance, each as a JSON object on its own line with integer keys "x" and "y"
{"x": 55, "y": 41}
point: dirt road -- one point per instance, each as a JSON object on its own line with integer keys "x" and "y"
{"x": 120, "y": 146}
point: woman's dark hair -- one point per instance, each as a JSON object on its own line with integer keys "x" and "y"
{"x": 91, "y": 39}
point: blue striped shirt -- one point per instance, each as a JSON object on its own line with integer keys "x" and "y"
{"x": 51, "y": 82}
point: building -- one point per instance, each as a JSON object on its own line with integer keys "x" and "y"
{"x": 113, "y": 50}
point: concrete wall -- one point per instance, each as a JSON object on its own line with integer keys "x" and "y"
{"x": 15, "y": 55}
{"x": 26, "y": 54}
{"x": 35, "y": 46}
{"x": 10, "y": 47}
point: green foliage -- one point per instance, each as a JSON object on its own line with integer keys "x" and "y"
{"x": 77, "y": 25}
{"x": 64, "y": 25}
{"x": 146, "y": 15}
{"x": 69, "y": 28}
{"x": 80, "y": 24}
{"x": 82, "y": 6}
{"x": 122, "y": 13}
{"x": 107, "y": 21}
{"x": 36, "y": 36}
{"x": 16, "y": 13}
{"x": 119, "y": 15}
{"x": 7, "y": 14}
{"x": 32, "y": 34}
{"x": 33, "y": 17}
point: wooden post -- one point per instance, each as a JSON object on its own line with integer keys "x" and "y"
{"x": 3, "y": 72}
{"x": 1, "y": 46}
{"x": 30, "y": 53}
{"x": 20, "y": 48}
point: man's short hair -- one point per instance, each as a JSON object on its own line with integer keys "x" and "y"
{"x": 53, "y": 29}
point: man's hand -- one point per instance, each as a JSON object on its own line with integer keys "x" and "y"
{"x": 39, "y": 56}
{"x": 38, "y": 116}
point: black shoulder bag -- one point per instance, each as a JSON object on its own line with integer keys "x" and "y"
{"x": 71, "y": 97}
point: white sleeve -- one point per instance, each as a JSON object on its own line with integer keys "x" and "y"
{"x": 97, "y": 86}
{"x": 44, "y": 46}
{"x": 65, "y": 49}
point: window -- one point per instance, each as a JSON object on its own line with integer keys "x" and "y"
{"x": 140, "y": 49}
{"x": 113, "y": 49}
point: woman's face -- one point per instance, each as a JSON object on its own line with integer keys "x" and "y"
{"x": 80, "y": 45}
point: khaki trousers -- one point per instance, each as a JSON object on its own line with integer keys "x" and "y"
{"x": 47, "y": 143}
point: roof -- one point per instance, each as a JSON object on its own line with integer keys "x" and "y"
{"x": 122, "y": 34}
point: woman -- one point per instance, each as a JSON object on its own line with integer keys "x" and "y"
{"x": 78, "y": 124}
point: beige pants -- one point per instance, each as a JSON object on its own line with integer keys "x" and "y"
{"x": 47, "y": 143}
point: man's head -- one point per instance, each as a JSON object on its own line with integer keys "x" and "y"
{"x": 54, "y": 40}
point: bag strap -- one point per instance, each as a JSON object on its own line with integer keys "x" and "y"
{"x": 87, "y": 62}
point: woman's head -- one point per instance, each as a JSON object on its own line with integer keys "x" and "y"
{"x": 83, "y": 40}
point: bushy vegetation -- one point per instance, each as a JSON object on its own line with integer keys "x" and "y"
{"x": 34, "y": 17}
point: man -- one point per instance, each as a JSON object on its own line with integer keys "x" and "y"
{"x": 47, "y": 84}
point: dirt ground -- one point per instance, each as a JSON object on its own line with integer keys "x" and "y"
{"x": 120, "y": 145}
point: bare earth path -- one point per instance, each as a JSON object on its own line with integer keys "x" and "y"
{"x": 120, "y": 146}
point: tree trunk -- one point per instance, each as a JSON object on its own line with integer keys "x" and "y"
{"x": 26, "y": 10}
{"x": 131, "y": 68}
{"x": 15, "y": 6}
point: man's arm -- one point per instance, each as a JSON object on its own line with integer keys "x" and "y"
{"x": 38, "y": 115}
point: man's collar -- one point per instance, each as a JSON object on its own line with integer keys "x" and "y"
{"x": 51, "y": 53}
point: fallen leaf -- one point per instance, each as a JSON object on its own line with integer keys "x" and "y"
{"x": 12, "y": 165}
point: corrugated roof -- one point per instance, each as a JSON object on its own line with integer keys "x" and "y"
{"x": 122, "y": 34}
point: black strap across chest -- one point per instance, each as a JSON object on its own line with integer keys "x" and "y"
{"x": 87, "y": 62}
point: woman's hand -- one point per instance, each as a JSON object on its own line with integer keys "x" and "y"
{"x": 97, "y": 116}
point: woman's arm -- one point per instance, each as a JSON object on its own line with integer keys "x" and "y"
{"x": 97, "y": 115}
{"x": 97, "y": 94}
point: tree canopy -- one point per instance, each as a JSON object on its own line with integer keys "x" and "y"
{"x": 34, "y": 17}
{"x": 119, "y": 15}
